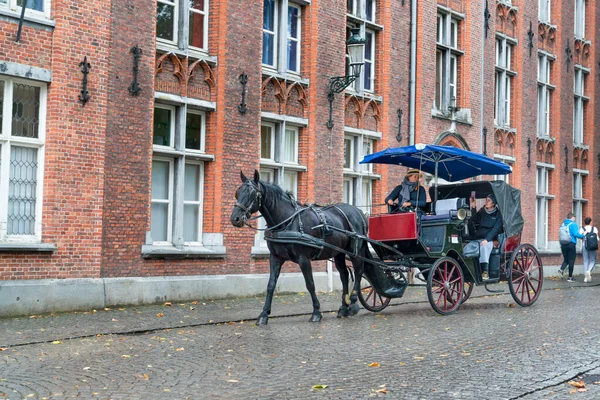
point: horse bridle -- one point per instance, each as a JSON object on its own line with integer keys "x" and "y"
{"x": 257, "y": 197}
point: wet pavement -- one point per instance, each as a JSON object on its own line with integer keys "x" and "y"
{"x": 490, "y": 349}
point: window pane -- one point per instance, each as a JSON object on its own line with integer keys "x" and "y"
{"x": 348, "y": 196}
{"x": 293, "y": 42}
{"x": 159, "y": 222}
{"x": 22, "y": 186}
{"x": 37, "y": 5}
{"x": 26, "y": 111}
{"x": 269, "y": 29}
{"x": 196, "y": 30}
{"x": 370, "y": 10}
{"x": 266, "y": 142}
{"x": 192, "y": 182}
{"x": 290, "y": 182}
{"x": 162, "y": 127}
{"x": 165, "y": 20}
{"x": 191, "y": 218}
{"x": 160, "y": 180}
{"x": 348, "y": 156}
{"x": 193, "y": 131}
{"x": 290, "y": 146}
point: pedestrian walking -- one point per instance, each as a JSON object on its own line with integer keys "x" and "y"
{"x": 589, "y": 248}
{"x": 567, "y": 237}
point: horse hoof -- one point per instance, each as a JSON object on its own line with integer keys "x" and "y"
{"x": 354, "y": 309}
{"x": 343, "y": 312}
{"x": 316, "y": 317}
{"x": 262, "y": 320}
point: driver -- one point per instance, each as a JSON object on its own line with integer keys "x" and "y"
{"x": 489, "y": 224}
{"x": 409, "y": 194}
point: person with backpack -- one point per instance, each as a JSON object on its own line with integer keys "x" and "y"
{"x": 590, "y": 246}
{"x": 567, "y": 237}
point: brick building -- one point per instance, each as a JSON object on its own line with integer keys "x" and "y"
{"x": 124, "y": 127}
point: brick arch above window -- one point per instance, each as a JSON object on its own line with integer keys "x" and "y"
{"x": 362, "y": 113}
{"x": 504, "y": 142}
{"x": 545, "y": 151}
{"x": 580, "y": 158}
{"x": 451, "y": 138}
{"x": 506, "y": 19}
{"x": 282, "y": 97}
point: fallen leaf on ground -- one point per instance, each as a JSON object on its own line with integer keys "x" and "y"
{"x": 319, "y": 387}
{"x": 180, "y": 349}
{"x": 581, "y": 390}
{"x": 383, "y": 391}
{"x": 159, "y": 314}
{"x": 232, "y": 380}
{"x": 374, "y": 364}
{"x": 126, "y": 356}
{"x": 577, "y": 384}
{"x": 57, "y": 342}
{"x": 3, "y": 348}
{"x": 168, "y": 304}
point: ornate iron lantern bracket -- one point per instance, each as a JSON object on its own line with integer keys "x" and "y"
{"x": 566, "y": 159}
{"x": 243, "y": 78}
{"x": 569, "y": 53}
{"x": 484, "y": 131}
{"x": 528, "y": 152}
{"x": 399, "y": 135}
{"x": 530, "y": 34}
{"x": 134, "y": 88}
{"x": 85, "y": 66}
{"x": 486, "y": 17}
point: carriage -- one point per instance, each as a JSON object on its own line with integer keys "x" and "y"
{"x": 438, "y": 240}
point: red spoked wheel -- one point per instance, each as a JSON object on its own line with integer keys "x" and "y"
{"x": 369, "y": 298}
{"x": 526, "y": 274}
{"x": 467, "y": 290}
{"x": 445, "y": 285}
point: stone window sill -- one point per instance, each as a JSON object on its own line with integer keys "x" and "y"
{"x": 186, "y": 252}
{"x": 28, "y": 247}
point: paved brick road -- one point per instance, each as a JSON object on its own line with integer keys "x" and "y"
{"x": 490, "y": 349}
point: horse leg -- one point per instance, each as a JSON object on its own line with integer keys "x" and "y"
{"x": 358, "y": 266}
{"x": 306, "y": 269}
{"x": 276, "y": 263}
{"x": 340, "y": 264}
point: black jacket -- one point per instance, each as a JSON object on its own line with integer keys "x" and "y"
{"x": 490, "y": 225}
{"x": 418, "y": 198}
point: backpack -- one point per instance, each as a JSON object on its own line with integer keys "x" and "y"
{"x": 591, "y": 241}
{"x": 564, "y": 236}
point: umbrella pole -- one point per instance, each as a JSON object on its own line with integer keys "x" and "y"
{"x": 436, "y": 182}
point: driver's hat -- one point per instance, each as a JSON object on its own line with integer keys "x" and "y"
{"x": 414, "y": 171}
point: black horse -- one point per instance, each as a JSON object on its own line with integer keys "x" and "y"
{"x": 297, "y": 233}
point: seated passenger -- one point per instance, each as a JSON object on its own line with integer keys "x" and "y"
{"x": 409, "y": 194}
{"x": 489, "y": 225}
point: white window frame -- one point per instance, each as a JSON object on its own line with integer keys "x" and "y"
{"x": 503, "y": 82}
{"x": 7, "y": 141}
{"x": 180, "y": 156}
{"x": 544, "y": 10}
{"x": 579, "y": 106}
{"x": 447, "y": 60}
{"x": 508, "y": 160}
{"x": 358, "y": 176}
{"x": 296, "y": 134}
{"x": 181, "y": 23}
{"x": 542, "y": 208}
{"x": 578, "y": 199}
{"x": 579, "y": 17}
{"x": 545, "y": 89}
{"x": 368, "y": 26}
{"x": 172, "y": 127}
{"x": 169, "y": 201}
{"x": 12, "y": 5}
{"x": 281, "y": 38}
{"x": 273, "y": 128}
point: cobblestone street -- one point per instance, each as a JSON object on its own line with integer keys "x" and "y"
{"x": 489, "y": 349}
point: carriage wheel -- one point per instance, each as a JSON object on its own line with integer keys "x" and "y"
{"x": 369, "y": 298}
{"x": 467, "y": 290}
{"x": 445, "y": 285}
{"x": 525, "y": 277}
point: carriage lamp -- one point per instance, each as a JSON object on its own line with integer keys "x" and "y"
{"x": 356, "y": 58}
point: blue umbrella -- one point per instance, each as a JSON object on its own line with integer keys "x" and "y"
{"x": 447, "y": 162}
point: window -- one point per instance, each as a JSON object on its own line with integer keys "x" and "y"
{"x": 363, "y": 14}
{"x": 358, "y": 178}
{"x": 579, "y": 107}
{"x": 183, "y": 24}
{"x": 580, "y": 19}
{"x": 544, "y": 10}
{"x": 544, "y": 95}
{"x": 38, "y": 8}
{"x": 579, "y": 202}
{"x": 503, "y": 82}
{"x": 542, "y": 209}
{"x": 178, "y": 175}
{"x": 506, "y": 160}
{"x": 282, "y": 36}
{"x": 447, "y": 61}
{"x": 22, "y": 139}
{"x": 279, "y": 153}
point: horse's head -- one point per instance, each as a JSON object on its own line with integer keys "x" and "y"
{"x": 248, "y": 200}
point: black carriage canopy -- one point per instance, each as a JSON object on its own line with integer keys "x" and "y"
{"x": 508, "y": 199}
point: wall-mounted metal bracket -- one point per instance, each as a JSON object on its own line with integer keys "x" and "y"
{"x": 134, "y": 88}
{"x": 569, "y": 53}
{"x": 566, "y": 159}
{"x": 486, "y": 17}
{"x": 243, "y": 78}
{"x": 484, "y": 132}
{"x": 85, "y": 66}
{"x": 399, "y": 135}
{"x": 528, "y": 152}
{"x": 530, "y": 34}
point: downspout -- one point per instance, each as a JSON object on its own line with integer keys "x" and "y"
{"x": 413, "y": 70}
{"x": 483, "y": 32}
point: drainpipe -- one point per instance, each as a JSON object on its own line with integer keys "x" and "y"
{"x": 413, "y": 70}
{"x": 482, "y": 84}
